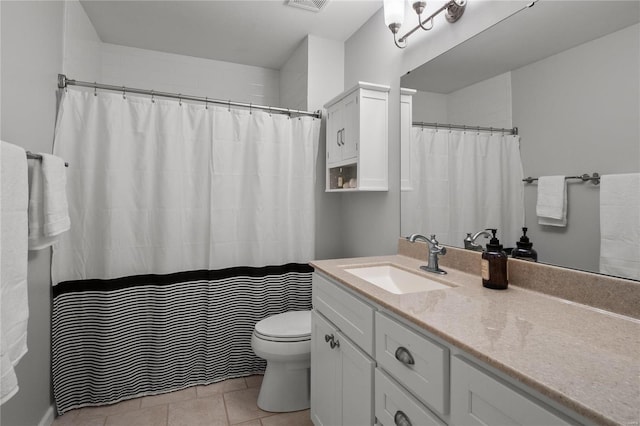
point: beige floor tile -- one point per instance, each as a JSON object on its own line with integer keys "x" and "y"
{"x": 166, "y": 398}
{"x": 198, "y": 412}
{"x": 71, "y": 418}
{"x": 255, "y": 422}
{"x": 241, "y": 406}
{"x": 254, "y": 381}
{"x": 151, "y": 416}
{"x": 107, "y": 410}
{"x": 221, "y": 387}
{"x": 296, "y": 418}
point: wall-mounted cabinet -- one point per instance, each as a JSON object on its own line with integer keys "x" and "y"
{"x": 357, "y": 139}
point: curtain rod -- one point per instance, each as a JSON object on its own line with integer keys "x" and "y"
{"x": 513, "y": 131}
{"x": 63, "y": 82}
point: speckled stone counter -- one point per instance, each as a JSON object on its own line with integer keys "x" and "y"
{"x": 585, "y": 358}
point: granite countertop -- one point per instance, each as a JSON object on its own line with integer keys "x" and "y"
{"x": 586, "y": 359}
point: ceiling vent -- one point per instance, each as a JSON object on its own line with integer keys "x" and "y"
{"x": 311, "y": 5}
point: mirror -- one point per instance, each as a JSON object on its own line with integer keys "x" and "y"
{"x": 566, "y": 74}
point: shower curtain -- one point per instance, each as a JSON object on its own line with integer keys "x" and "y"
{"x": 189, "y": 224}
{"x": 464, "y": 181}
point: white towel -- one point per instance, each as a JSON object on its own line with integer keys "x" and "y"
{"x": 552, "y": 201}
{"x": 620, "y": 225}
{"x": 14, "y": 306}
{"x": 48, "y": 209}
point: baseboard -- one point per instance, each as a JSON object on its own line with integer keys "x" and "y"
{"x": 49, "y": 417}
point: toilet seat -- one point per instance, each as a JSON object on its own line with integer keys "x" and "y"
{"x": 294, "y": 326}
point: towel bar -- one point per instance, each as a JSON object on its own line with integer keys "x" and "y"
{"x": 594, "y": 178}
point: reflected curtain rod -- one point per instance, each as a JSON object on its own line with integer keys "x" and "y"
{"x": 513, "y": 131}
{"x": 63, "y": 82}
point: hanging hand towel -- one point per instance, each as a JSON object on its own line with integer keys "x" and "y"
{"x": 14, "y": 307}
{"x": 552, "y": 201}
{"x": 620, "y": 225}
{"x": 48, "y": 210}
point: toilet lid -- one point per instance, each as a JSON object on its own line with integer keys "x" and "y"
{"x": 294, "y": 324}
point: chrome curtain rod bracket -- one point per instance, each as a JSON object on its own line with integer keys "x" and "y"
{"x": 593, "y": 178}
{"x": 64, "y": 82}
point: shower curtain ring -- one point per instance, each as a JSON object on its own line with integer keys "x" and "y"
{"x": 229, "y": 105}
{"x": 153, "y": 101}
{"x": 288, "y": 114}
{"x": 95, "y": 89}
{"x": 206, "y": 103}
{"x": 180, "y": 99}
{"x": 250, "y": 105}
{"x": 124, "y": 92}
{"x": 269, "y": 111}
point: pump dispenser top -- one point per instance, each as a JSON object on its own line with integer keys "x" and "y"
{"x": 524, "y": 248}
{"x": 494, "y": 243}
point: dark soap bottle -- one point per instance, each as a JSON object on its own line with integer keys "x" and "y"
{"x": 524, "y": 248}
{"x": 494, "y": 265}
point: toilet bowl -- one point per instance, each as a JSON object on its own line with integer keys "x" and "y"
{"x": 284, "y": 341}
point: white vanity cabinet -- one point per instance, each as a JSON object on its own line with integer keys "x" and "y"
{"x": 369, "y": 366}
{"x": 357, "y": 139}
{"x": 341, "y": 371}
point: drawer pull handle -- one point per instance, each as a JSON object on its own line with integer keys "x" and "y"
{"x": 328, "y": 338}
{"x": 401, "y": 419}
{"x": 404, "y": 356}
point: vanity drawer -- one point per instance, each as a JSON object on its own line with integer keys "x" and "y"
{"x": 347, "y": 312}
{"x": 394, "y": 405}
{"x": 480, "y": 399}
{"x": 419, "y": 364}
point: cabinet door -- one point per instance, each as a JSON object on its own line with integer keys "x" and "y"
{"x": 326, "y": 393}
{"x": 357, "y": 384}
{"x": 351, "y": 126}
{"x": 479, "y": 399}
{"x": 335, "y": 133}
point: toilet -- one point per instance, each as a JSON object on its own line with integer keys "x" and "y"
{"x": 284, "y": 341}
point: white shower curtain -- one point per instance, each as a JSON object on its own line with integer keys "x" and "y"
{"x": 160, "y": 187}
{"x": 464, "y": 182}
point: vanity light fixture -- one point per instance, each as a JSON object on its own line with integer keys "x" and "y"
{"x": 394, "y": 16}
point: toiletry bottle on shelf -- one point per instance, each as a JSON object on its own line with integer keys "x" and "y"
{"x": 524, "y": 248}
{"x": 494, "y": 265}
{"x": 340, "y": 179}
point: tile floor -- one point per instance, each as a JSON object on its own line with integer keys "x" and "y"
{"x": 232, "y": 402}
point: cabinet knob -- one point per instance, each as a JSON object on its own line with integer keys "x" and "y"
{"x": 404, "y": 356}
{"x": 401, "y": 419}
{"x": 328, "y": 337}
{"x": 334, "y": 344}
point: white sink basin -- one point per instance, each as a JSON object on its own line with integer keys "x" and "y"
{"x": 396, "y": 280}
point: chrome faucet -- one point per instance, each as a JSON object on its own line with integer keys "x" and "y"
{"x": 470, "y": 241}
{"x": 434, "y": 250}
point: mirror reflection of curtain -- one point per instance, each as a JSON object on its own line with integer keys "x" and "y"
{"x": 164, "y": 187}
{"x": 464, "y": 182}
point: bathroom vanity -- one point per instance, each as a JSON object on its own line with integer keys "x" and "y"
{"x": 462, "y": 354}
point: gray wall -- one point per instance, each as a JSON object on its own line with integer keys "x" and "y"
{"x": 577, "y": 112}
{"x": 31, "y": 37}
{"x": 371, "y": 220}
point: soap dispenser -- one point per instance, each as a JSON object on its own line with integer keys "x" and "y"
{"x": 524, "y": 248}
{"x": 494, "y": 265}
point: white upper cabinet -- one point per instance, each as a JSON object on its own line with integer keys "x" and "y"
{"x": 357, "y": 139}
